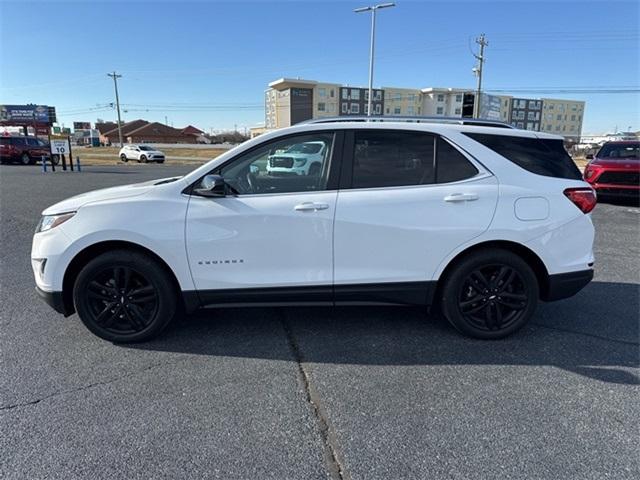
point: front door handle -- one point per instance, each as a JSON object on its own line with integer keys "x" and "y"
{"x": 311, "y": 207}
{"x": 461, "y": 197}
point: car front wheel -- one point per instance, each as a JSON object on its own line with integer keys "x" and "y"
{"x": 124, "y": 296}
{"x": 143, "y": 158}
{"x": 490, "y": 294}
{"x": 25, "y": 159}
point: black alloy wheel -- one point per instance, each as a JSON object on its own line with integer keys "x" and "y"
{"x": 143, "y": 158}
{"x": 490, "y": 294}
{"x": 493, "y": 297}
{"x": 124, "y": 158}
{"x": 124, "y": 296}
{"x": 121, "y": 300}
{"x": 25, "y": 159}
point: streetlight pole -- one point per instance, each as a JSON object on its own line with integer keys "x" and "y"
{"x": 372, "y": 9}
{"x": 115, "y": 77}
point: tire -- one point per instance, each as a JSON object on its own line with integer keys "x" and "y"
{"x": 124, "y": 158}
{"x": 160, "y": 161}
{"x": 489, "y": 294}
{"x": 25, "y": 159}
{"x": 143, "y": 158}
{"x": 124, "y": 296}
{"x": 55, "y": 160}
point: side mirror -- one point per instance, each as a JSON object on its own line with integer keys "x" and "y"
{"x": 211, "y": 186}
{"x": 589, "y": 156}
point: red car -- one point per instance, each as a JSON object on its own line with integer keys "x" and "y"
{"x": 615, "y": 169}
{"x": 25, "y": 150}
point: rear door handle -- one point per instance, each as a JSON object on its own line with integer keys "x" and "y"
{"x": 311, "y": 207}
{"x": 461, "y": 197}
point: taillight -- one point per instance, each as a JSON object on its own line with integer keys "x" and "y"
{"x": 583, "y": 198}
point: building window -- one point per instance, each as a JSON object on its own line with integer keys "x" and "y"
{"x": 549, "y": 116}
{"x": 345, "y": 94}
{"x": 355, "y": 108}
{"x": 520, "y": 124}
{"x": 396, "y": 111}
{"x": 378, "y": 109}
{"x": 564, "y": 128}
{"x": 366, "y": 109}
{"x": 355, "y": 94}
{"x": 439, "y": 110}
{"x": 558, "y": 117}
{"x": 557, "y": 128}
{"x": 551, "y": 107}
{"x": 332, "y": 108}
{"x": 572, "y": 128}
{"x": 321, "y": 107}
{"x": 410, "y": 110}
{"x": 574, "y": 108}
{"x": 387, "y": 111}
{"x": 332, "y": 93}
{"x": 529, "y": 126}
{"x": 396, "y": 96}
{"x": 440, "y": 97}
{"x": 377, "y": 95}
{"x": 459, "y": 98}
{"x": 322, "y": 92}
{"x": 345, "y": 108}
{"x": 573, "y": 118}
{"x": 411, "y": 97}
{"x": 458, "y": 111}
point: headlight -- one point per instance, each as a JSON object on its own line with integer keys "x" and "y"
{"x": 48, "y": 222}
{"x": 301, "y": 162}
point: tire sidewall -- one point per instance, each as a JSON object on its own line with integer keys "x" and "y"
{"x": 124, "y": 158}
{"x": 142, "y": 265}
{"x": 23, "y": 157}
{"x": 455, "y": 279}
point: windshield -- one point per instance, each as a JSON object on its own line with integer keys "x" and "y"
{"x": 305, "y": 148}
{"x": 146, "y": 149}
{"x": 620, "y": 150}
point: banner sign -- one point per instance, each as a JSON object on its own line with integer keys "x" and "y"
{"x": 24, "y": 113}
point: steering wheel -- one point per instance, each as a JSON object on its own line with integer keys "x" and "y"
{"x": 252, "y": 186}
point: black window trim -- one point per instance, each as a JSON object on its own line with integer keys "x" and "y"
{"x": 346, "y": 175}
{"x": 335, "y": 161}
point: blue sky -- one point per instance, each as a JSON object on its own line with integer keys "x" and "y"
{"x": 207, "y": 63}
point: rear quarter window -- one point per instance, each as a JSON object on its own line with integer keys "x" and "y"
{"x": 537, "y": 155}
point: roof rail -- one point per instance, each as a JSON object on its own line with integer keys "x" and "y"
{"x": 385, "y": 118}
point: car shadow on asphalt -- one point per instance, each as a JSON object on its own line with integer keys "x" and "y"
{"x": 594, "y": 334}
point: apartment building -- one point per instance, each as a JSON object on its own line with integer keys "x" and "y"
{"x": 290, "y": 101}
{"x": 562, "y": 117}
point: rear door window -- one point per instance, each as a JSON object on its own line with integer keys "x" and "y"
{"x": 540, "y": 156}
{"x": 392, "y": 158}
{"x": 451, "y": 165}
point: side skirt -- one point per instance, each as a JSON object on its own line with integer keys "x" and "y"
{"x": 403, "y": 293}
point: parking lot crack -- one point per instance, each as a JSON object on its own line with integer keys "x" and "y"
{"x": 84, "y": 387}
{"x": 332, "y": 454}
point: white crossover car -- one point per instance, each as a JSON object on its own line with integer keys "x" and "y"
{"x": 304, "y": 158}
{"x": 141, "y": 153}
{"x": 481, "y": 220}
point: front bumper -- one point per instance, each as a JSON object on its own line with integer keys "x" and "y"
{"x": 54, "y": 300}
{"x": 565, "y": 285}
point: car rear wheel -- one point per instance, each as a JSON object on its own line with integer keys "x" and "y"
{"x": 490, "y": 294}
{"x": 25, "y": 159}
{"x": 124, "y": 158}
{"x": 55, "y": 159}
{"x": 124, "y": 296}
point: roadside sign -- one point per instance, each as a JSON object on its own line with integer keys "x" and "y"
{"x": 59, "y": 144}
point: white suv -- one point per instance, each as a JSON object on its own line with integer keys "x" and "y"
{"x": 304, "y": 158}
{"x": 479, "y": 220}
{"x": 141, "y": 153}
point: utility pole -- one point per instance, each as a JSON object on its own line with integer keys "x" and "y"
{"x": 478, "y": 71}
{"x": 373, "y": 9}
{"x": 115, "y": 77}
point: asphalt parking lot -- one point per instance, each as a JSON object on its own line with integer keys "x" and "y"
{"x": 309, "y": 393}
